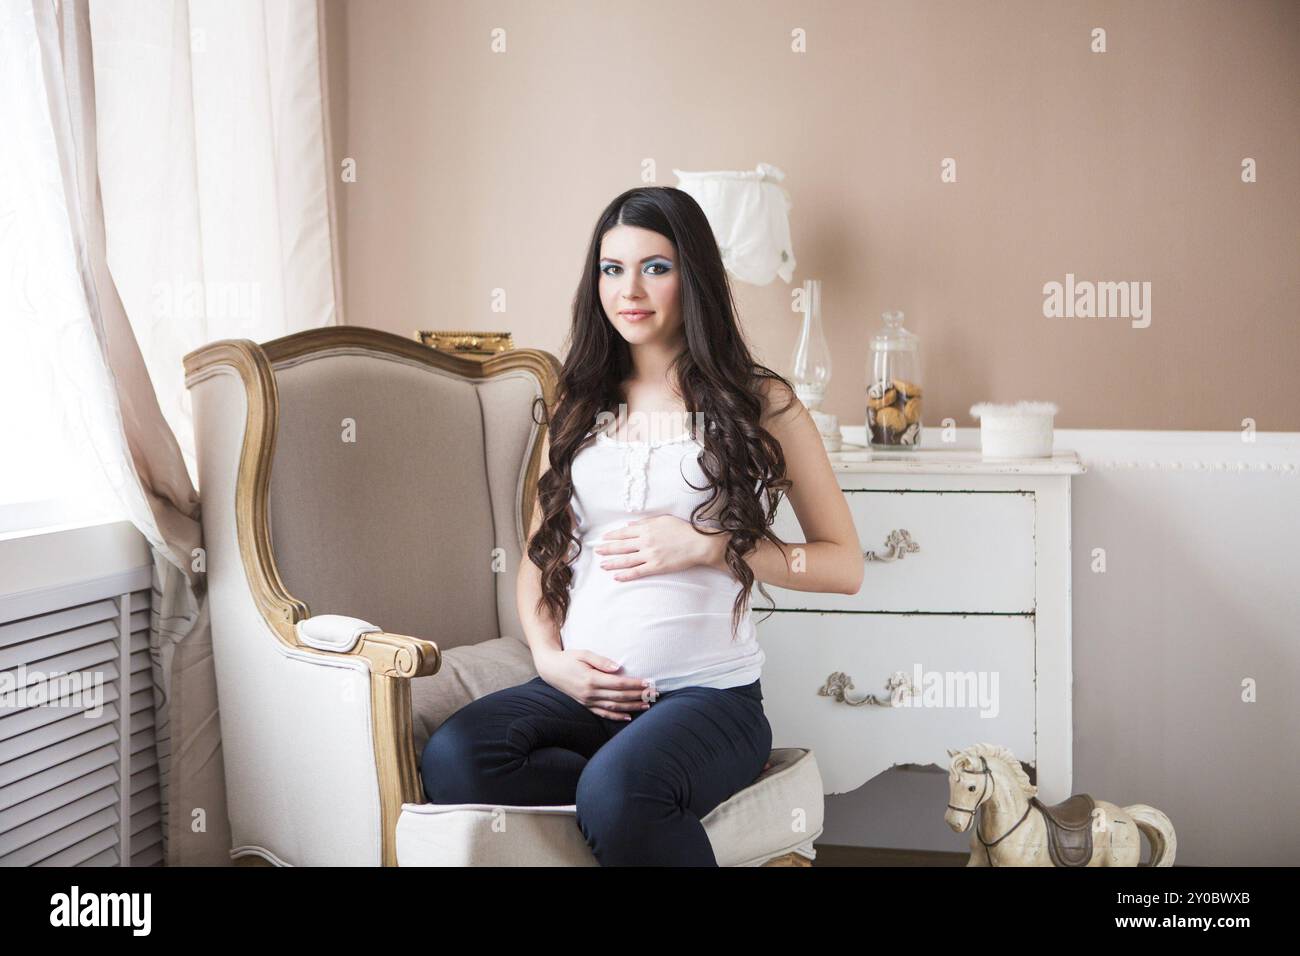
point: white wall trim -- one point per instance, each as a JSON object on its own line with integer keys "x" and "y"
{"x": 1105, "y": 449}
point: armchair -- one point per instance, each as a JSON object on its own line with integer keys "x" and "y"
{"x": 351, "y": 476}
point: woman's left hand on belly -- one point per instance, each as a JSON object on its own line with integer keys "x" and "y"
{"x": 658, "y": 545}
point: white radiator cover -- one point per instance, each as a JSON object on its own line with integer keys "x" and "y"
{"x": 79, "y": 782}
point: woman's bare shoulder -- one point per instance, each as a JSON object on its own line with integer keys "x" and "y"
{"x": 780, "y": 405}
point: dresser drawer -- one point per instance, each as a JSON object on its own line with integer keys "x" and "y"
{"x": 985, "y": 662}
{"x": 974, "y": 552}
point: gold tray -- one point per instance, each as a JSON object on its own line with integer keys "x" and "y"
{"x": 465, "y": 343}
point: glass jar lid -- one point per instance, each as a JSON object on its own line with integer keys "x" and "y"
{"x": 893, "y": 337}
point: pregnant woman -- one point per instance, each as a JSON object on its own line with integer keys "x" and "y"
{"x": 667, "y": 452}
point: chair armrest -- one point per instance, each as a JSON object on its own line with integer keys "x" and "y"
{"x": 333, "y": 632}
{"x": 389, "y": 655}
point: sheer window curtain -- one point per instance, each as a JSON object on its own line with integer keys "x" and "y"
{"x": 170, "y": 184}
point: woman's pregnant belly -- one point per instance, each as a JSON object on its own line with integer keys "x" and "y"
{"x": 673, "y": 628}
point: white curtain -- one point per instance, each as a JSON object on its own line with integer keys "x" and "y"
{"x": 212, "y": 159}
{"x": 204, "y": 127}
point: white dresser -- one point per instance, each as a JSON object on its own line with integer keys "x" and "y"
{"x": 966, "y": 596}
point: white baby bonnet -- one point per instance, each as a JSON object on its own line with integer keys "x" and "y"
{"x": 748, "y": 211}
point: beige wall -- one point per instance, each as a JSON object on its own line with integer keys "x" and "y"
{"x": 479, "y": 171}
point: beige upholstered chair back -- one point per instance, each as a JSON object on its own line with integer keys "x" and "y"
{"x": 398, "y": 480}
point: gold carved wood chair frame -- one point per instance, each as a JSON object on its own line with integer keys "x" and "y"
{"x": 393, "y": 659}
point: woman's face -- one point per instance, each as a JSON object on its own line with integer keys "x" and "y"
{"x": 639, "y": 286}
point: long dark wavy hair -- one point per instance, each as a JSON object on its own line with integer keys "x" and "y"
{"x": 715, "y": 374}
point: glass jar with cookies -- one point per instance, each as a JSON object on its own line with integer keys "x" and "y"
{"x": 894, "y": 386}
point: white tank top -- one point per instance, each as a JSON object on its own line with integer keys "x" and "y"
{"x": 672, "y": 628}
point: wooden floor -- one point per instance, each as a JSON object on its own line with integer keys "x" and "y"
{"x": 830, "y": 855}
{"x": 826, "y": 856}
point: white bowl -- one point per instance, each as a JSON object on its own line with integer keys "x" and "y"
{"x": 1022, "y": 430}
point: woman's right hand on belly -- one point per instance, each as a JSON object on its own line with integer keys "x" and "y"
{"x": 589, "y": 679}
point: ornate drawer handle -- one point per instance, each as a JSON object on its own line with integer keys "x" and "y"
{"x": 899, "y": 544}
{"x": 898, "y": 686}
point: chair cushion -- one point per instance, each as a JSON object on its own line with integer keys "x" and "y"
{"x": 468, "y": 672}
{"x": 780, "y": 812}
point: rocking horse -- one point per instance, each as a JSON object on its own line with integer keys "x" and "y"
{"x": 1015, "y": 828}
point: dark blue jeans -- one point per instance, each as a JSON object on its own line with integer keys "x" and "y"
{"x": 640, "y": 785}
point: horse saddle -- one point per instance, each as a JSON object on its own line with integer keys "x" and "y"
{"x": 1069, "y": 829}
